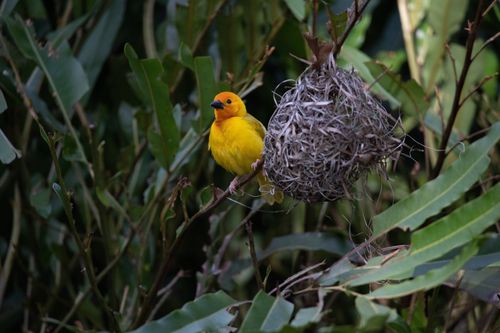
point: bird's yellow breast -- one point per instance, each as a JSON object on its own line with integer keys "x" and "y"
{"x": 236, "y": 144}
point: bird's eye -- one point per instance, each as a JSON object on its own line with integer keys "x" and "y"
{"x": 228, "y": 101}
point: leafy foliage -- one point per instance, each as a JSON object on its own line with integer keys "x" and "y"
{"x": 116, "y": 217}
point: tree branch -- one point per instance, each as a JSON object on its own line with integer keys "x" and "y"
{"x": 472, "y": 28}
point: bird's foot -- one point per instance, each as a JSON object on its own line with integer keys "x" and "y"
{"x": 255, "y": 164}
{"x": 233, "y": 187}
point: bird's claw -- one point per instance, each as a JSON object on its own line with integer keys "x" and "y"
{"x": 233, "y": 186}
{"x": 255, "y": 164}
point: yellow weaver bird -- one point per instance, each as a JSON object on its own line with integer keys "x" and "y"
{"x": 237, "y": 140}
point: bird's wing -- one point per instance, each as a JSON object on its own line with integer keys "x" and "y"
{"x": 256, "y": 124}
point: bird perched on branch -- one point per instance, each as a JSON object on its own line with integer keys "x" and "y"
{"x": 236, "y": 142}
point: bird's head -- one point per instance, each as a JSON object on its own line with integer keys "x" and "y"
{"x": 227, "y": 104}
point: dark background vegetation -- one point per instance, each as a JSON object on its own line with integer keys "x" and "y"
{"x": 122, "y": 204}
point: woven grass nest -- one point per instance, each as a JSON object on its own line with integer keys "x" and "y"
{"x": 326, "y": 132}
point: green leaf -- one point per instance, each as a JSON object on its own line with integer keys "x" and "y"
{"x": 6, "y": 7}
{"x": 444, "y": 18}
{"x": 483, "y": 284}
{"x": 298, "y": 8}
{"x": 186, "y": 56}
{"x": 309, "y": 241}
{"x": 70, "y": 150}
{"x": 207, "y": 313}
{"x": 3, "y": 102}
{"x": 64, "y": 73}
{"x": 429, "y": 280}
{"x": 337, "y": 22}
{"x": 456, "y": 229}
{"x": 357, "y": 59}
{"x": 40, "y": 200}
{"x": 267, "y": 314}
{"x": 375, "y": 317}
{"x": 7, "y": 151}
{"x": 412, "y": 211}
{"x": 338, "y": 269}
{"x": 108, "y": 200}
{"x": 98, "y": 45}
{"x": 205, "y": 82}
{"x": 408, "y": 93}
{"x": 148, "y": 73}
{"x": 433, "y": 122}
{"x": 158, "y": 147}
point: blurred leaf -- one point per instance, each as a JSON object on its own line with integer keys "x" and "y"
{"x": 357, "y": 59}
{"x": 148, "y": 73}
{"x": 337, "y": 23}
{"x": 186, "y": 56}
{"x": 6, "y": 7}
{"x": 266, "y": 314}
{"x": 207, "y": 313}
{"x": 429, "y": 280}
{"x": 445, "y": 18}
{"x": 158, "y": 147}
{"x": 332, "y": 276}
{"x": 40, "y": 200}
{"x": 108, "y": 200}
{"x": 7, "y": 151}
{"x": 433, "y": 122}
{"x": 375, "y": 317}
{"x": 205, "y": 82}
{"x": 408, "y": 93}
{"x": 298, "y": 8}
{"x": 456, "y": 229}
{"x": 63, "y": 34}
{"x": 307, "y": 316}
{"x": 310, "y": 241}
{"x": 357, "y": 36}
{"x": 70, "y": 150}
{"x": 483, "y": 284}
{"x": 98, "y": 45}
{"x": 428, "y": 200}
{"x": 64, "y": 73}
{"x": 3, "y": 102}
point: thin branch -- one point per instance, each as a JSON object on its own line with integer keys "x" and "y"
{"x": 167, "y": 258}
{"x": 148, "y": 30}
{"x": 253, "y": 255}
{"x": 358, "y": 10}
{"x": 477, "y": 87}
{"x": 453, "y": 62}
{"x": 488, "y": 41}
{"x": 14, "y": 239}
{"x": 87, "y": 260}
{"x": 472, "y": 28}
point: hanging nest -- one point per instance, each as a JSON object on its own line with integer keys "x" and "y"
{"x": 327, "y": 131}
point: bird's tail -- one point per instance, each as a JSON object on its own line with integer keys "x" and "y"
{"x": 269, "y": 191}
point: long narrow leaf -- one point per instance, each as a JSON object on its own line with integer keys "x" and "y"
{"x": 148, "y": 73}
{"x": 429, "y": 280}
{"x": 207, "y": 313}
{"x": 453, "y": 230}
{"x": 205, "y": 82}
{"x": 412, "y": 211}
{"x": 267, "y": 314}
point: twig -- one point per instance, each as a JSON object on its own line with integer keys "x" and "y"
{"x": 472, "y": 28}
{"x": 477, "y": 87}
{"x": 64, "y": 195}
{"x": 453, "y": 300}
{"x": 165, "y": 265}
{"x": 14, "y": 239}
{"x": 358, "y": 10}
{"x": 253, "y": 255}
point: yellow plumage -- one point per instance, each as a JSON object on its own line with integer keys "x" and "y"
{"x": 236, "y": 141}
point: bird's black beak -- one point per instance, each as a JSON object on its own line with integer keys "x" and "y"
{"x": 217, "y": 105}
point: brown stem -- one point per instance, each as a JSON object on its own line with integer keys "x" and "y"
{"x": 253, "y": 255}
{"x": 472, "y": 28}
{"x": 358, "y": 10}
{"x": 167, "y": 258}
